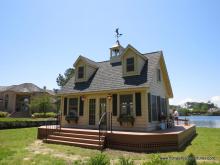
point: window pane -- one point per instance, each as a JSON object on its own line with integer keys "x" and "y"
{"x": 73, "y": 107}
{"x": 126, "y": 104}
{"x": 92, "y": 107}
{"x": 154, "y": 108}
{"x": 130, "y": 64}
{"x": 158, "y": 75}
{"x": 102, "y": 106}
{"x": 81, "y": 72}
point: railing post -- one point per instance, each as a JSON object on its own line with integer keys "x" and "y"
{"x": 111, "y": 120}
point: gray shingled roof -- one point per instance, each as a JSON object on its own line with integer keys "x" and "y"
{"x": 109, "y": 77}
{"x": 23, "y": 88}
{"x": 3, "y": 88}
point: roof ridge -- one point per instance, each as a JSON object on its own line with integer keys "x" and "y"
{"x": 159, "y": 51}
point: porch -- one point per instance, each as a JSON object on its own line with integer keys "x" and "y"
{"x": 160, "y": 140}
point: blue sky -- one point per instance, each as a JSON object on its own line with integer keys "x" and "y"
{"x": 40, "y": 39}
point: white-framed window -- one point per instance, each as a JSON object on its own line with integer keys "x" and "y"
{"x": 6, "y": 101}
{"x": 80, "y": 72}
{"x": 130, "y": 64}
{"x": 158, "y": 75}
{"x": 126, "y": 105}
{"x": 73, "y": 107}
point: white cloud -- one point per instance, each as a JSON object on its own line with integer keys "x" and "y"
{"x": 216, "y": 100}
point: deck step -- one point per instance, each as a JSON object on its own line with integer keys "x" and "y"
{"x": 80, "y": 131}
{"x": 77, "y": 144}
{"x": 75, "y": 139}
{"x": 75, "y": 135}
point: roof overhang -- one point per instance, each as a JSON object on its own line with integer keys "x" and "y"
{"x": 84, "y": 60}
{"x": 165, "y": 76}
{"x": 130, "y": 47}
{"x": 105, "y": 91}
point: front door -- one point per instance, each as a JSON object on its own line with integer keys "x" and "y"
{"x": 92, "y": 107}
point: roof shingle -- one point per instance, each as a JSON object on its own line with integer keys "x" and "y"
{"x": 109, "y": 77}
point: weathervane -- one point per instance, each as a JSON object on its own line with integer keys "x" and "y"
{"x": 117, "y": 34}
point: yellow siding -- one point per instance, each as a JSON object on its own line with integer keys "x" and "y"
{"x": 140, "y": 121}
{"x": 158, "y": 88}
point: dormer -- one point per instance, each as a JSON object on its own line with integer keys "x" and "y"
{"x": 132, "y": 61}
{"x": 84, "y": 69}
{"x": 115, "y": 52}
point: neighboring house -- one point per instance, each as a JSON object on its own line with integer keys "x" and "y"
{"x": 131, "y": 86}
{"x": 15, "y": 98}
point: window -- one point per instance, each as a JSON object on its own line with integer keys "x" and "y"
{"x": 126, "y": 105}
{"x": 92, "y": 107}
{"x": 73, "y": 107}
{"x": 149, "y": 108}
{"x": 6, "y": 102}
{"x": 158, "y": 75}
{"x": 80, "y": 72}
{"x": 65, "y": 107}
{"x": 130, "y": 64}
{"x": 154, "y": 108}
{"x": 102, "y": 106}
{"x": 114, "y": 104}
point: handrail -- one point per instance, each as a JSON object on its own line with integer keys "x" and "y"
{"x": 102, "y": 117}
{"x": 52, "y": 125}
{"x": 100, "y": 124}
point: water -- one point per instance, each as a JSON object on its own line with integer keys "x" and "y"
{"x": 204, "y": 121}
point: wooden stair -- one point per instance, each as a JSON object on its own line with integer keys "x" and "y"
{"x": 77, "y": 137}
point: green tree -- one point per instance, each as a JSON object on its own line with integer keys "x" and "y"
{"x": 63, "y": 79}
{"x": 41, "y": 104}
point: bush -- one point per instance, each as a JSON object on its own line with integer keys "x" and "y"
{"x": 44, "y": 115}
{"x": 3, "y": 114}
{"x": 156, "y": 160}
{"x": 125, "y": 161}
{"x": 191, "y": 160}
{"x": 99, "y": 159}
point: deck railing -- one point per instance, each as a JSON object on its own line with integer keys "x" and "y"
{"x": 105, "y": 125}
{"x": 183, "y": 121}
{"x": 50, "y": 127}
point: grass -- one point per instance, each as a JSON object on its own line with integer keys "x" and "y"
{"x": 7, "y": 119}
{"x": 15, "y": 144}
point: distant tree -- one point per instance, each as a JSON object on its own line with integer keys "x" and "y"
{"x": 63, "y": 79}
{"x": 41, "y": 104}
{"x": 184, "y": 111}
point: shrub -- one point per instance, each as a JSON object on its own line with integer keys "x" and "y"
{"x": 3, "y": 114}
{"x": 156, "y": 160}
{"x": 125, "y": 161}
{"x": 99, "y": 159}
{"x": 44, "y": 115}
{"x": 191, "y": 160}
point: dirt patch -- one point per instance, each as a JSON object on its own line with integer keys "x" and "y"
{"x": 37, "y": 147}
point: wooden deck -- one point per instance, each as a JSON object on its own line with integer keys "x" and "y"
{"x": 162, "y": 140}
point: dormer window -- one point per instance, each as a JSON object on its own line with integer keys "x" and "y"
{"x": 130, "y": 64}
{"x": 80, "y": 72}
{"x": 158, "y": 75}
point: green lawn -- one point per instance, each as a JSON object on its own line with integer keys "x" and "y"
{"x": 19, "y": 146}
{"x": 8, "y": 119}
